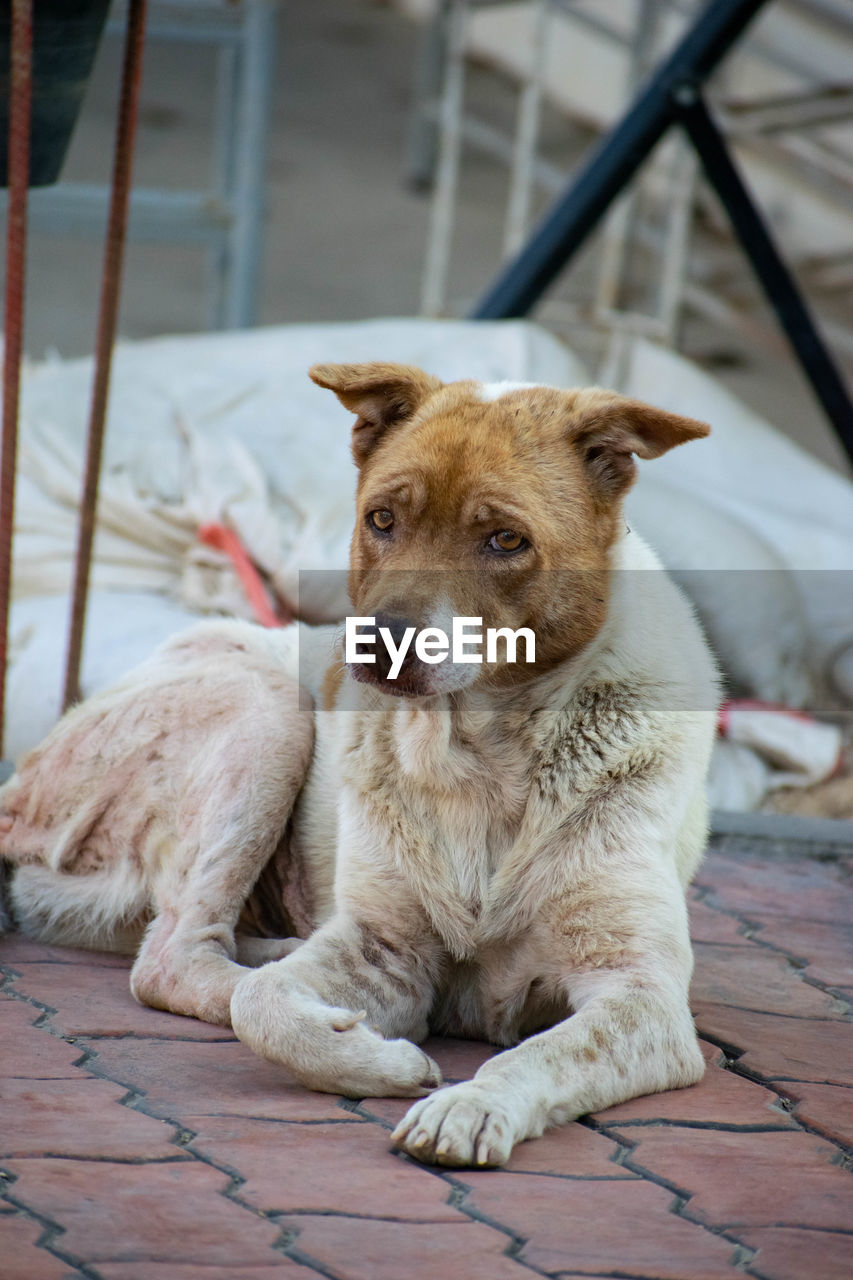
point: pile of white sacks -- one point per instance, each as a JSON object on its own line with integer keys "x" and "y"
{"x": 227, "y": 428}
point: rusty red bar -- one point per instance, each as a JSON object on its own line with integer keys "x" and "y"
{"x": 18, "y": 177}
{"x": 107, "y": 321}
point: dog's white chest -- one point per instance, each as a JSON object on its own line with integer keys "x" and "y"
{"x": 447, "y": 802}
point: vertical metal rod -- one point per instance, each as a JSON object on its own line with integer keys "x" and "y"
{"x": 776, "y": 280}
{"x": 247, "y": 194}
{"x": 521, "y": 176}
{"x": 437, "y": 260}
{"x": 18, "y": 178}
{"x": 683, "y": 177}
{"x": 107, "y": 320}
{"x": 224, "y": 142}
{"x": 422, "y": 140}
{"x": 620, "y": 222}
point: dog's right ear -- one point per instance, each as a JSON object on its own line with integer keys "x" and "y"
{"x": 382, "y": 395}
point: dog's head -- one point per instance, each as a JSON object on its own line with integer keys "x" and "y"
{"x": 498, "y": 502}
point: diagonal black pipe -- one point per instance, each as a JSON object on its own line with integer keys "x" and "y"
{"x": 614, "y": 162}
{"x": 775, "y": 278}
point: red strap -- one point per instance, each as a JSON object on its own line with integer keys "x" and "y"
{"x": 221, "y": 538}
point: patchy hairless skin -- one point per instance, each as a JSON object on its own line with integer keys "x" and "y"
{"x": 496, "y": 850}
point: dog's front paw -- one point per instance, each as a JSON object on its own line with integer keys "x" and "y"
{"x": 465, "y": 1124}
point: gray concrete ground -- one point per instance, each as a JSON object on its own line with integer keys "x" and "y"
{"x": 345, "y": 237}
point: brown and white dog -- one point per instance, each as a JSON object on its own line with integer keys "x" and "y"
{"x": 499, "y": 851}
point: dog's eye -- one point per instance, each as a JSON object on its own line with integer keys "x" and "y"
{"x": 507, "y": 540}
{"x": 381, "y": 519}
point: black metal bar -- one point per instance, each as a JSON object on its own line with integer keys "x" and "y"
{"x": 776, "y": 280}
{"x": 614, "y": 162}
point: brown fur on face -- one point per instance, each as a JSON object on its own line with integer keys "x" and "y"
{"x": 551, "y": 465}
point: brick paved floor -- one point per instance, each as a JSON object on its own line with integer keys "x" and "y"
{"x": 139, "y": 1146}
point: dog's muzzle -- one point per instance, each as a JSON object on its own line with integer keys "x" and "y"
{"x": 411, "y": 678}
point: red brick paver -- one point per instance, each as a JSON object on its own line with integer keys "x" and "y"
{"x": 18, "y": 950}
{"x": 791, "y": 1254}
{"x": 28, "y": 1051}
{"x": 573, "y": 1152}
{"x": 139, "y": 1146}
{"x": 825, "y": 949}
{"x": 65, "y": 1118}
{"x": 774, "y": 1047}
{"x": 279, "y": 1268}
{"x": 361, "y": 1249}
{"x": 93, "y": 1000}
{"x": 758, "y": 979}
{"x": 622, "y": 1226}
{"x": 735, "y": 1177}
{"x": 708, "y": 925}
{"x": 825, "y": 1107}
{"x": 324, "y": 1168}
{"x": 182, "y": 1078}
{"x": 172, "y": 1211}
{"x": 22, "y": 1258}
{"x": 769, "y": 885}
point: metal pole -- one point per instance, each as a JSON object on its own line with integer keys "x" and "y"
{"x": 437, "y": 260}
{"x": 224, "y": 136}
{"x": 107, "y": 321}
{"x": 422, "y": 142}
{"x": 622, "y": 217}
{"x": 614, "y": 162}
{"x": 523, "y": 163}
{"x": 773, "y": 274}
{"x": 257, "y": 53}
{"x": 18, "y": 178}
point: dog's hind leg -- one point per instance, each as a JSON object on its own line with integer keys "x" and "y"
{"x": 181, "y": 893}
{"x": 191, "y": 960}
{"x": 231, "y": 821}
{"x": 186, "y": 967}
{"x": 158, "y": 803}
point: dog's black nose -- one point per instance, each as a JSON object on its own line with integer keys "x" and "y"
{"x": 396, "y": 625}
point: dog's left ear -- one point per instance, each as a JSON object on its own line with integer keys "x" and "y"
{"x": 608, "y": 429}
{"x": 382, "y": 395}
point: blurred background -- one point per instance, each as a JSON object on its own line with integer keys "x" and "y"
{"x": 360, "y": 205}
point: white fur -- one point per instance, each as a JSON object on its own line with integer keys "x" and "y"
{"x": 489, "y": 391}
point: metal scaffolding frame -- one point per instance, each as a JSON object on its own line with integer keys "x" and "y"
{"x": 226, "y": 220}
{"x": 600, "y": 187}
{"x": 673, "y": 96}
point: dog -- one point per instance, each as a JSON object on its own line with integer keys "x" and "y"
{"x": 337, "y": 862}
